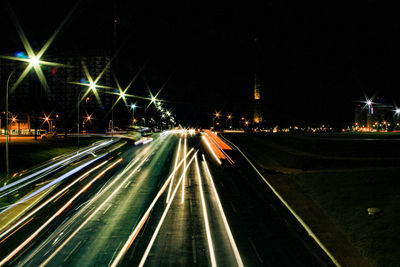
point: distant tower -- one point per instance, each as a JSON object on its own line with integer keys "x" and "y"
{"x": 257, "y": 114}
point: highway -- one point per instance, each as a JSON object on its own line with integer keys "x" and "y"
{"x": 181, "y": 199}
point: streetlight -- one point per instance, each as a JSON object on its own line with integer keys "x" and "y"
{"x": 133, "y": 106}
{"x": 226, "y": 122}
{"x": 7, "y": 133}
{"x": 49, "y": 123}
{"x": 121, "y": 94}
{"x": 92, "y": 87}
{"x": 216, "y": 116}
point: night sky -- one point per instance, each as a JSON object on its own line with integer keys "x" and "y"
{"x": 314, "y": 59}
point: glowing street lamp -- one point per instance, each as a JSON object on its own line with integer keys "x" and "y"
{"x": 216, "y": 116}
{"x": 133, "y": 106}
{"x": 226, "y": 122}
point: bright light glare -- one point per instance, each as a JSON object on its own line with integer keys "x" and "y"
{"x": 369, "y": 102}
{"x": 92, "y": 85}
{"x": 34, "y": 61}
{"x": 398, "y": 111}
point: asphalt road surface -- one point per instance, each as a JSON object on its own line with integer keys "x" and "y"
{"x": 163, "y": 202}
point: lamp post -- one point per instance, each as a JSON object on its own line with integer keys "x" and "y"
{"x": 7, "y": 156}
{"x": 226, "y": 122}
{"x": 216, "y": 116}
{"x": 133, "y": 106}
{"x": 79, "y": 103}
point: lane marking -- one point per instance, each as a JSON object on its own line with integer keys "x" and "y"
{"x": 98, "y": 208}
{"x": 104, "y": 212}
{"x": 299, "y": 219}
{"x": 73, "y": 250}
{"x": 255, "y": 250}
{"x": 127, "y": 184}
{"x": 153, "y": 238}
{"x": 139, "y": 226}
{"x": 194, "y": 250}
{"x": 205, "y": 215}
{"x": 221, "y": 210}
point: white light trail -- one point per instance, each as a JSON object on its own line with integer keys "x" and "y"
{"x": 48, "y": 185}
{"x": 205, "y": 215}
{"x": 52, "y": 166}
{"x": 221, "y": 210}
{"x": 153, "y": 238}
{"x": 184, "y": 176}
{"x": 139, "y": 226}
{"x": 49, "y": 200}
{"x": 173, "y": 176}
{"x": 98, "y": 208}
{"x": 29, "y": 239}
{"x": 212, "y": 151}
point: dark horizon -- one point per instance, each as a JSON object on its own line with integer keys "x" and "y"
{"x": 314, "y": 60}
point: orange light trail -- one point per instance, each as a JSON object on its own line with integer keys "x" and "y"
{"x": 221, "y": 144}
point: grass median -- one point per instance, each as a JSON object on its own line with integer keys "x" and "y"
{"x": 343, "y": 175}
{"x": 27, "y": 153}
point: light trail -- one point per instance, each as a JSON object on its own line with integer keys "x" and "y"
{"x": 298, "y": 218}
{"x": 51, "y": 199}
{"x": 29, "y": 239}
{"x": 211, "y": 150}
{"x": 153, "y": 238}
{"x": 83, "y": 153}
{"x": 98, "y": 208}
{"x": 184, "y": 176}
{"x": 205, "y": 215}
{"x": 57, "y": 180}
{"x": 221, "y": 210}
{"x": 176, "y": 161}
{"x": 220, "y": 143}
{"x": 139, "y": 226}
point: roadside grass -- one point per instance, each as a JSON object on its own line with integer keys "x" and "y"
{"x": 26, "y": 154}
{"x": 345, "y": 198}
{"x": 342, "y": 188}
